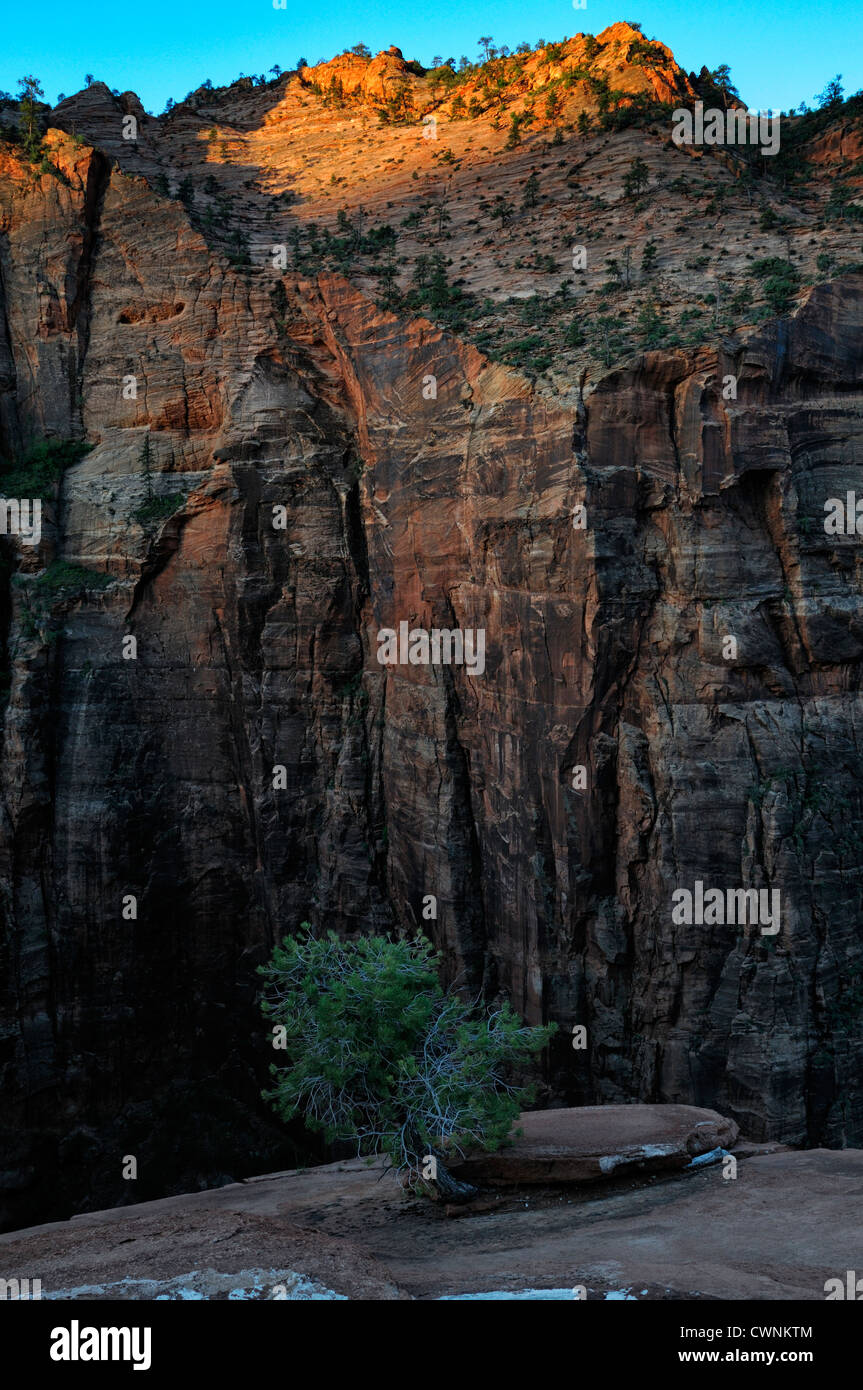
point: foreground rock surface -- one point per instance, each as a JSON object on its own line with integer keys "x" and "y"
{"x": 592, "y": 1142}
{"x": 778, "y": 1231}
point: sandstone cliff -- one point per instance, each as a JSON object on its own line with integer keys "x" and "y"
{"x": 258, "y": 387}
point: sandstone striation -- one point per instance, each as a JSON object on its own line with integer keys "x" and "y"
{"x": 258, "y": 388}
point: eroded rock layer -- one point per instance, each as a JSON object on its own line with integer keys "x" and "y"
{"x": 254, "y": 765}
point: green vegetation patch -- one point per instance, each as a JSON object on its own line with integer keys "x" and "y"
{"x": 40, "y": 470}
{"x": 157, "y": 508}
{"x": 62, "y": 579}
{"x": 781, "y": 281}
{"x": 375, "y": 1052}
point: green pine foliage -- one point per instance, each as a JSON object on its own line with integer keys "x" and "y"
{"x": 377, "y": 1053}
{"x": 61, "y": 579}
{"x": 156, "y": 509}
{"x": 60, "y": 582}
{"x": 781, "y": 280}
{"x": 29, "y": 92}
{"x": 41, "y": 468}
{"x": 637, "y": 179}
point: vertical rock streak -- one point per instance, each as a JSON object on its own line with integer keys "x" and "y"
{"x": 256, "y": 649}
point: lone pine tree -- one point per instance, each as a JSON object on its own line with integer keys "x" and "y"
{"x": 377, "y": 1053}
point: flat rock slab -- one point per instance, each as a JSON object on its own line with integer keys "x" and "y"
{"x": 593, "y": 1143}
{"x": 780, "y": 1230}
{"x": 241, "y": 1241}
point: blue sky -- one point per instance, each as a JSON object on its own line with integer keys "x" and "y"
{"x": 780, "y": 53}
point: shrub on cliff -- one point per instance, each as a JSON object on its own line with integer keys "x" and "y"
{"x": 38, "y": 472}
{"x": 30, "y": 90}
{"x": 636, "y": 180}
{"x": 781, "y": 281}
{"x": 377, "y": 1053}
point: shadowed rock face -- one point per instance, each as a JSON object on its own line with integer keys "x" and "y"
{"x": 257, "y": 650}
{"x": 605, "y": 650}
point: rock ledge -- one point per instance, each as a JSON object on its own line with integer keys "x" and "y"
{"x": 596, "y": 1142}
